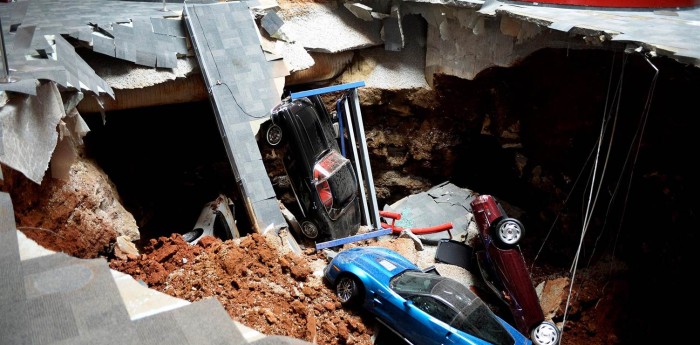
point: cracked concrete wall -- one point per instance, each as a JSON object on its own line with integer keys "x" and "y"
{"x": 462, "y": 42}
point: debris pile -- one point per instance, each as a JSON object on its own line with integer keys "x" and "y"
{"x": 260, "y": 285}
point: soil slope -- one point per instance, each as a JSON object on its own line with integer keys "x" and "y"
{"x": 259, "y": 285}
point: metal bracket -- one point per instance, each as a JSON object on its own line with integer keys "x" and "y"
{"x": 5, "y": 76}
{"x": 354, "y": 238}
{"x": 334, "y": 88}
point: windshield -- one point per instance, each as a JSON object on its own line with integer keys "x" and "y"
{"x": 335, "y": 182}
{"x": 467, "y": 312}
{"x": 328, "y": 165}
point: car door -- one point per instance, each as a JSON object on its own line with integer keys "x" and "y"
{"x": 433, "y": 318}
{"x": 408, "y": 317}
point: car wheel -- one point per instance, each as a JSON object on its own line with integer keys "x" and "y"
{"x": 509, "y": 231}
{"x": 336, "y": 129}
{"x": 274, "y": 135}
{"x": 309, "y": 229}
{"x": 348, "y": 290}
{"x": 545, "y": 333}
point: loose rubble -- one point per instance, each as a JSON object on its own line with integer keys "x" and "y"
{"x": 270, "y": 291}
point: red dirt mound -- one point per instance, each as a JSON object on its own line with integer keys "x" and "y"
{"x": 260, "y": 287}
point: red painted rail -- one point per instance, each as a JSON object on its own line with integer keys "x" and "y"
{"x": 418, "y": 231}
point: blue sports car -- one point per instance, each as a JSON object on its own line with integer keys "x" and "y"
{"x": 422, "y": 308}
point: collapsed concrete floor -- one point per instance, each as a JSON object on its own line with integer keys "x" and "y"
{"x": 523, "y": 134}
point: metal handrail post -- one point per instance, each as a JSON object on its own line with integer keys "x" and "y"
{"x": 6, "y": 67}
{"x": 359, "y": 169}
{"x": 364, "y": 155}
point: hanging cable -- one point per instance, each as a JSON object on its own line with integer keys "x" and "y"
{"x": 566, "y": 201}
{"x": 638, "y": 137}
{"x": 583, "y": 167}
{"x": 590, "y": 205}
{"x": 617, "y": 101}
{"x": 218, "y": 81}
{"x": 625, "y": 166}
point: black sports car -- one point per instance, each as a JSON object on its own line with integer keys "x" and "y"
{"x": 323, "y": 181}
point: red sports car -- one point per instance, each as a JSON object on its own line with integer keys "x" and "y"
{"x": 504, "y": 270}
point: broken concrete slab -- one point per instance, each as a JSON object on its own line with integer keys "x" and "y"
{"x": 444, "y": 203}
{"x": 467, "y": 37}
{"x": 158, "y": 43}
{"x": 50, "y": 19}
{"x": 360, "y": 10}
{"x": 325, "y": 66}
{"x": 272, "y": 23}
{"x": 328, "y": 28}
{"x": 671, "y": 33}
{"x": 393, "y": 70}
{"x": 242, "y": 90}
{"x": 393, "y": 31}
{"x": 462, "y": 42}
{"x": 153, "y": 42}
{"x": 140, "y": 86}
{"x": 294, "y": 54}
{"x": 25, "y": 86}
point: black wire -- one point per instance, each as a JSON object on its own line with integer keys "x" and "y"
{"x": 218, "y": 81}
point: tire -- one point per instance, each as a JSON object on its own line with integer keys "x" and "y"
{"x": 274, "y": 135}
{"x": 309, "y": 229}
{"x": 546, "y": 333}
{"x": 336, "y": 129}
{"x": 508, "y": 232}
{"x": 347, "y": 288}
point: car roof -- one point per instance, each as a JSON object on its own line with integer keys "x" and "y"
{"x": 310, "y": 125}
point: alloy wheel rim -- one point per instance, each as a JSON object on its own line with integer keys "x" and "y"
{"x": 545, "y": 334}
{"x": 274, "y": 135}
{"x": 510, "y": 233}
{"x": 345, "y": 287}
{"x": 310, "y": 230}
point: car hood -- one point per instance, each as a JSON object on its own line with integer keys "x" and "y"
{"x": 380, "y": 263}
